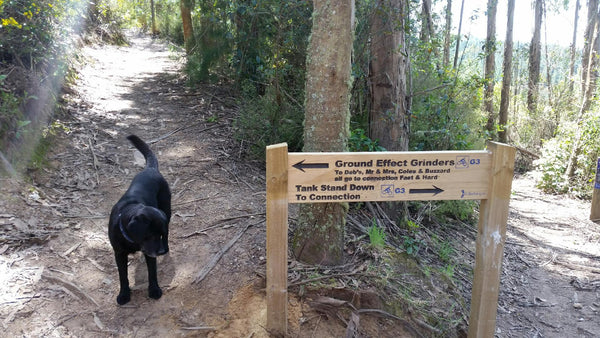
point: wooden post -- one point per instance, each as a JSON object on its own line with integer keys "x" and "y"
{"x": 277, "y": 238}
{"x": 595, "y": 210}
{"x": 491, "y": 236}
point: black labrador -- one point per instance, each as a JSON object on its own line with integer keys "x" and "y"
{"x": 140, "y": 221}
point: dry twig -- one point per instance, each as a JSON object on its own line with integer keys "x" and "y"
{"x": 217, "y": 257}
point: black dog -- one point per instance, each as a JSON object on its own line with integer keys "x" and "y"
{"x": 140, "y": 221}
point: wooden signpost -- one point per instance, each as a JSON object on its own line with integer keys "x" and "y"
{"x": 392, "y": 176}
{"x": 595, "y": 210}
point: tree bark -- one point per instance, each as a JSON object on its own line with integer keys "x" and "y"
{"x": 153, "y": 18}
{"x": 462, "y": 7}
{"x": 319, "y": 236}
{"x": 535, "y": 53}
{"x": 188, "y": 28}
{"x": 426, "y": 21}
{"x": 447, "y": 30}
{"x": 490, "y": 64}
{"x": 573, "y": 49}
{"x": 591, "y": 52}
{"x": 587, "y": 45}
{"x": 507, "y": 77}
{"x": 388, "y": 120}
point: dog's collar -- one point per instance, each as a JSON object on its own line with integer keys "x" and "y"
{"x": 122, "y": 228}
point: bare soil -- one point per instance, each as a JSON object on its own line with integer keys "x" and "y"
{"x": 57, "y": 271}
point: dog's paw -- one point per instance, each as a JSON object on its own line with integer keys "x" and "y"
{"x": 124, "y": 297}
{"x": 154, "y": 293}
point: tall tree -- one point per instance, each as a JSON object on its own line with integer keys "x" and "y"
{"x": 535, "y": 54}
{"x": 388, "y": 121}
{"x": 573, "y": 48}
{"x": 447, "y": 29}
{"x": 153, "y": 18}
{"x": 591, "y": 53}
{"x": 426, "y": 21}
{"x": 587, "y": 44}
{"x": 490, "y": 64}
{"x": 507, "y": 76}
{"x": 188, "y": 28}
{"x": 462, "y": 7}
{"x": 319, "y": 237}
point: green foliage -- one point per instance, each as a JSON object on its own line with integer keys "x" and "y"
{"x": 455, "y": 209}
{"x": 35, "y": 34}
{"x": 448, "y": 271}
{"x": 445, "y": 250}
{"x": 265, "y": 120}
{"x": 376, "y": 236}
{"x": 411, "y": 245}
{"x": 553, "y": 165}
{"x": 359, "y": 141}
{"x": 555, "y": 157}
{"x": 10, "y": 115}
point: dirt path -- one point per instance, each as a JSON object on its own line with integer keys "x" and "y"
{"x": 551, "y": 272}
{"x": 57, "y": 271}
{"x": 67, "y": 285}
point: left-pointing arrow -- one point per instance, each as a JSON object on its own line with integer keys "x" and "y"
{"x": 301, "y": 165}
{"x": 433, "y": 191}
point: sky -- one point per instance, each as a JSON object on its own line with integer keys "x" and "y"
{"x": 559, "y": 25}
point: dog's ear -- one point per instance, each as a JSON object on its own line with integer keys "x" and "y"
{"x": 163, "y": 217}
{"x": 136, "y": 228}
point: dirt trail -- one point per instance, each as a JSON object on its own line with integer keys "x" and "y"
{"x": 67, "y": 286}
{"x": 57, "y": 271}
{"x": 551, "y": 272}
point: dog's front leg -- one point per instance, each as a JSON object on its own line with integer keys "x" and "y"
{"x": 154, "y": 290}
{"x": 125, "y": 293}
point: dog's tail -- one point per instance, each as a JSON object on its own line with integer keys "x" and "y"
{"x": 151, "y": 161}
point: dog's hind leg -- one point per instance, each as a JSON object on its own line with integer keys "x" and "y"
{"x": 125, "y": 293}
{"x": 154, "y": 290}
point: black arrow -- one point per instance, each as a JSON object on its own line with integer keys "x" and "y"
{"x": 433, "y": 191}
{"x": 301, "y": 165}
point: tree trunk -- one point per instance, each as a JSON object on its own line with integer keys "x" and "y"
{"x": 447, "y": 29}
{"x": 490, "y": 64}
{"x": 535, "y": 53}
{"x": 426, "y": 21}
{"x": 388, "y": 120}
{"x": 507, "y": 77}
{"x": 188, "y": 28}
{"x": 462, "y": 7}
{"x": 153, "y": 18}
{"x": 591, "y": 50}
{"x": 573, "y": 49}
{"x": 319, "y": 236}
{"x": 587, "y": 45}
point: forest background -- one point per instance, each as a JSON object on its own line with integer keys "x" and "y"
{"x": 454, "y": 88}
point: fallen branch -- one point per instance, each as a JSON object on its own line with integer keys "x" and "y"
{"x": 70, "y": 286}
{"x": 527, "y": 152}
{"x": 199, "y": 328}
{"x": 95, "y": 160}
{"x": 216, "y": 224}
{"x": 217, "y": 257}
{"x": 192, "y": 201}
{"x": 335, "y": 275}
{"x": 160, "y": 138}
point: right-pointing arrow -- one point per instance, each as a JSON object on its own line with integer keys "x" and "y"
{"x": 433, "y": 191}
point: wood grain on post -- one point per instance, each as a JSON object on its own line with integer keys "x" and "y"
{"x": 491, "y": 237}
{"x": 595, "y": 209}
{"x": 277, "y": 238}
